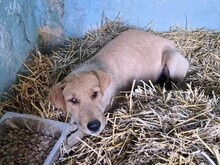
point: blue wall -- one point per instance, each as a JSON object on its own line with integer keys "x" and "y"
{"x": 22, "y": 20}
{"x": 86, "y": 14}
{"x": 17, "y": 37}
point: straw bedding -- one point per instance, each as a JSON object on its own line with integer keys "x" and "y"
{"x": 150, "y": 125}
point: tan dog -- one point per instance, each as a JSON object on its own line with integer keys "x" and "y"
{"x": 134, "y": 54}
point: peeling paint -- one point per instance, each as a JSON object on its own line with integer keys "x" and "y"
{"x": 17, "y": 37}
{"x": 14, "y": 7}
{"x": 49, "y": 13}
{"x": 5, "y": 40}
{"x": 58, "y": 6}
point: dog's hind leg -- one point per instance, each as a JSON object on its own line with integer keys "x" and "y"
{"x": 175, "y": 66}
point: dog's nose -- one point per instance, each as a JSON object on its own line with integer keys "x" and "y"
{"x": 94, "y": 125}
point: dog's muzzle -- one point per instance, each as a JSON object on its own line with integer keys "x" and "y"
{"x": 94, "y": 125}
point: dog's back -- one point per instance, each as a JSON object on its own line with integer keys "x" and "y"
{"x": 134, "y": 54}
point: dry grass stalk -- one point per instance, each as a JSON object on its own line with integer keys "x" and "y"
{"x": 151, "y": 125}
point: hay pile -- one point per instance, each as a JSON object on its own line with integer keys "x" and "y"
{"x": 151, "y": 125}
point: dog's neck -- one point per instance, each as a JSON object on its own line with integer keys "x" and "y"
{"x": 90, "y": 65}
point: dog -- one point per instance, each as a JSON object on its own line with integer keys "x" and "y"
{"x": 134, "y": 54}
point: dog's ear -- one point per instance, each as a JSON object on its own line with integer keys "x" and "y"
{"x": 56, "y": 96}
{"x": 104, "y": 79}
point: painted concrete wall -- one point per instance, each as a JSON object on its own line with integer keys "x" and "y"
{"x": 17, "y": 37}
{"x": 86, "y": 14}
{"x": 24, "y": 22}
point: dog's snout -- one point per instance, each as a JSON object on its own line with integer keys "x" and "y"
{"x": 94, "y": 125}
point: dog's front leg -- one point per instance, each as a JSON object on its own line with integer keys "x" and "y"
{"x": 74, "y": 134}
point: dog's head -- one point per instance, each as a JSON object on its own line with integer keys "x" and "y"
{"x": 82, "y": 96}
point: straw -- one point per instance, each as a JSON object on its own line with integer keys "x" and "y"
{"x": 150, "y": 125}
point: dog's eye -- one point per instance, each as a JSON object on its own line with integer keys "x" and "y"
{"x": 73, "y": 100}
{"x": 94, "y": 95}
